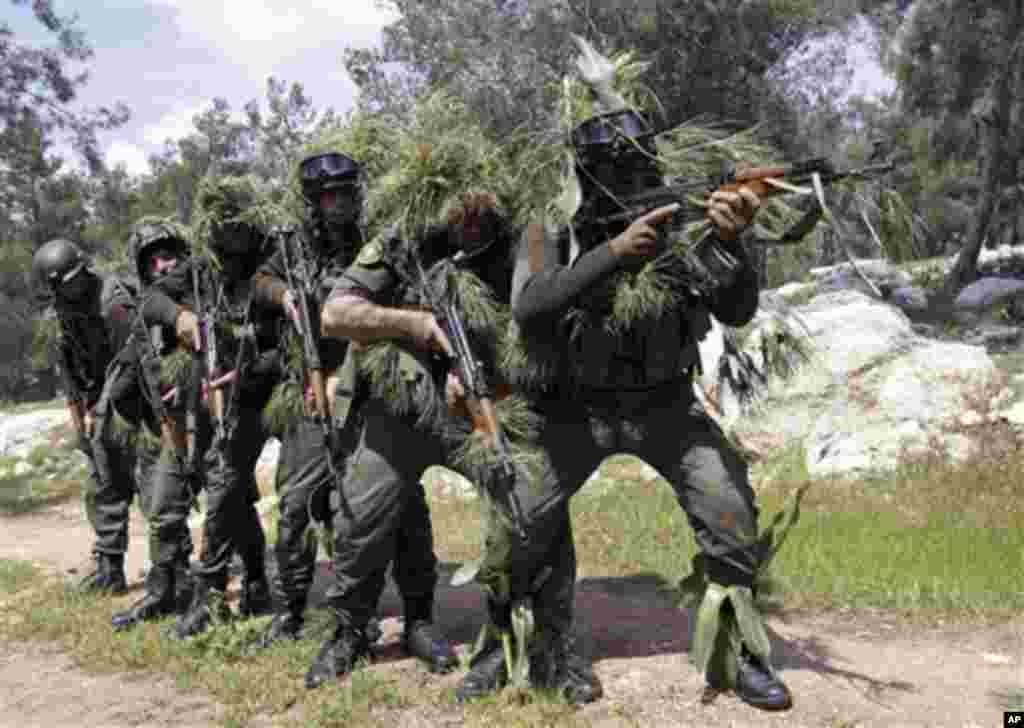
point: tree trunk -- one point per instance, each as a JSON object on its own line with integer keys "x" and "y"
{"x": 994, "y": 131}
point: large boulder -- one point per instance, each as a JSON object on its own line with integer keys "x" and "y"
{"x": 19, "y": 434}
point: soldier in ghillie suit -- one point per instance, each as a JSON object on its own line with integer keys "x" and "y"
{"x": 95, "y": 315}
{"x": 607, "y": 319}
{"x": 333, "y": 190}
{"x": 231, "y": 231}
{"x": 407, "y": 422}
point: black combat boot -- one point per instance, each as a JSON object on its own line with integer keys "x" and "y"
{"x": 758, "y": 686}
{"x": 555, "y": 664}
{"x": 157, "y": 602}
{"x": 184, "y": 584}
{"x": 207, "y": 607}
{"x": 108, "y": 576}
{"x": 255, "y": 600}
{"x": 488, "y": 672}
{"x": 423, "y": 640}
{"x": 338, "y": 656}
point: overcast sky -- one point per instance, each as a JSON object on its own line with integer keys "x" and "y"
{"x": 166, "y": 59}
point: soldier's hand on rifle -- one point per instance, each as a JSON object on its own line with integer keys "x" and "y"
{"x": 427, "y": 334}
{"x": 89, "y": 424}
{"x": 186, "y": 326}
{"x": 291, "y": 308}
{"x": 731, "y": 212}
{"x": 454, "y": 392}
{"x": 640, "y": 239}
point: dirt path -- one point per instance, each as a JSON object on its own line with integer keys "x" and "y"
{"x": 845, "y": 669}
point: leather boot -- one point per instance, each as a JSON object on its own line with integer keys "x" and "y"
{"x": 284, "y": 626}
{"x": 157, "y": 602}
{"x": 108, "y": 576}
{"x": 184, "y": 584}
{"x": 423, "y": 640}
{"x": 338, "y": 656}
{"x": 758, "y": 686}
{"x": 558, "y": 666}
{"x": 208, "y": 607}
{"x": 487, "y": 673}
{"x": 255, "y": 600}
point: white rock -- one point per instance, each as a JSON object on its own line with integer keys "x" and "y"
{"x": 19, "y": 433}
{"x": 1015, "y": 414}
{"x": 970, "y": 418}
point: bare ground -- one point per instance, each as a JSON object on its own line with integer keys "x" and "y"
{"x": 844, "y": 668}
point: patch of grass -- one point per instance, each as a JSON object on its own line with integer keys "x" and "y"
{"x": 22, "y": 494}
{"x": 931, "y": 536}
{"x": 15, "y": 575}
{"x": 19, "y": 408}
{"x": 1012, "y": 699}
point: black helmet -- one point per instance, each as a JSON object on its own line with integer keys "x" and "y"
{"x": 57, "y": 262}
{"x": 326, "y": 171}
{"x": 624, "y": 136}
{"x": 150, "y": 232}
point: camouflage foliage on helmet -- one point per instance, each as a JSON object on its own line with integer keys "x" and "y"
{"x": 225, "y": 200}
{"x": 150, "y": 230}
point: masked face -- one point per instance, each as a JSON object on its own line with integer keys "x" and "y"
{"x": 340, "y": 205}
{"x": 162, "y": 261}
{"x": 76, "y": 288}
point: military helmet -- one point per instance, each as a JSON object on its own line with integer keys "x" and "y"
{"x": 151, "y": 232}
{"x": 327, "y": 171}
{"x": 613, "y": 135}
{"x": 57, "y": 262}
{"x": 220, "y": 219}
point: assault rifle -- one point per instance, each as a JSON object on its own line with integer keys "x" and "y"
{"x": 692, "y": 194}
{"x": 302, "y": 284}
{"x": 204, "y": 370}
{"x": 443, "y": 302}
{"x": 713, "y": 265}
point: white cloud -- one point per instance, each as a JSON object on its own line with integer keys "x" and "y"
{"x": 132, "y": 156}
{"x": 261, "y": 34}
{"x": 178, "y": 123}
{"x": 175, "y": 124}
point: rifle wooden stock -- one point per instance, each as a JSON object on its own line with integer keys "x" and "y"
{"x": 75, "y": 408}
{"x": 318, "y": 383}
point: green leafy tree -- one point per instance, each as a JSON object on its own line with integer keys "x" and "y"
{"x": 40, "y": 81}
{"x": 961, "y": 71}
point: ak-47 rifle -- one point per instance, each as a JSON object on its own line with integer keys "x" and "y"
{"x": 444, "y": 304}
{"x": 204, "y": 368}
{"x": 303, "y": 286}
{"x": 225, "y": 421}
{"x": 692, "y": 196}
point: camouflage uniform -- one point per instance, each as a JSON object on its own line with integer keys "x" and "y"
{"x": 402, "y": 435}
{"x": 602, "y": 390}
